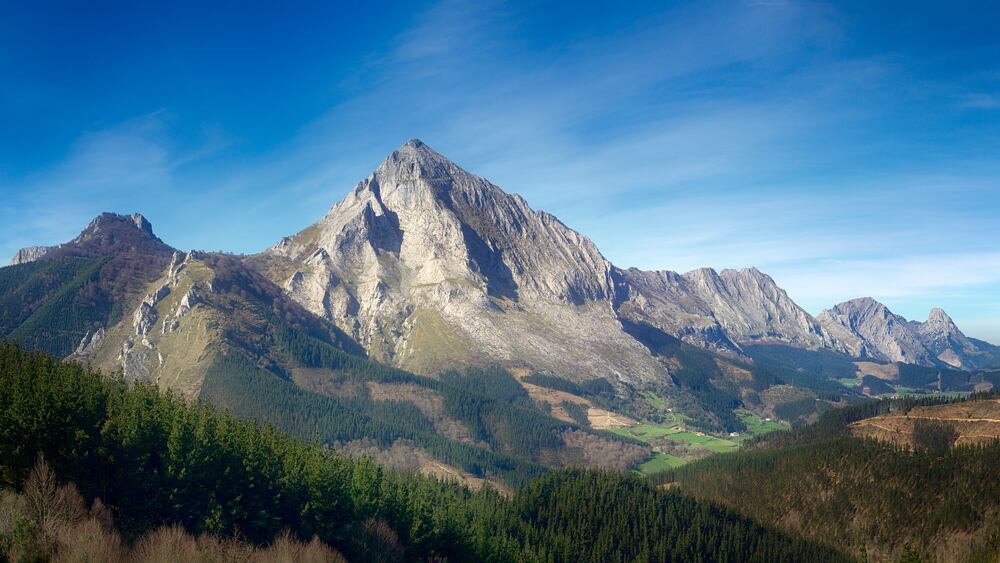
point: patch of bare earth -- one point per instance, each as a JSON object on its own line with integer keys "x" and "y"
{"x": 597, "y": 417}
{"x": 975, "y": 421}
{"x": 428, "y": 402}
{"x": 325, "y": 382}
{"x": 885, "y": 372}
{"x": 404, "y": 455}
{"x": 603, "y": 453}
{"x": 545, "y": 396}
{"x": 602, "y": 419}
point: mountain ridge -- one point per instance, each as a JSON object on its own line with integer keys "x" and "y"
{"x": 427, "y": 265}
{"x": 871, "y": 330}
{"x": 498, "y": 268}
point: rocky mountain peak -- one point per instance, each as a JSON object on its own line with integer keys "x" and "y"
{"x": 29, "y": 254}
{"x": 107, "y": 228}
{"x": 719, "y": 310}
{"x": 872, "y": 330}
{"x": 142, "y": 224}
{"x": 426, "y": 264}
{"x": 113, "y": 222}
{"x": 937, "y": 316}
{"x": 422, "y": 244}
{"x": 415, "y": 160}
{"x": 861, "y": 307}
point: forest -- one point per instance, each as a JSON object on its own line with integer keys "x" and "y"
{"x": 878, "y": 500}
{"x": 146, "y": 466}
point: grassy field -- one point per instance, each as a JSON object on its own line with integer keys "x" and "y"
{"x": 648, "y": 432}
{"x": 849, "y": 382}
{"x": 660, "y": 462}
{"x": 757, "y": 425}
{"x": 655, "y": 400}
{"x": 675, "y": 431}
{"x": 717, "y": 445}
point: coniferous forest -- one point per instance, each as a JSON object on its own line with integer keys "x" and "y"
{"x": 878, "y": 501}
{"x": 136, "y": 466}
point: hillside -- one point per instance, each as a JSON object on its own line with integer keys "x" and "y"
{"x": 876, "y": 499}
{"x": 971, "y": 422}
{"x": 69, "y": 292}
{"x": 143, "y": 460}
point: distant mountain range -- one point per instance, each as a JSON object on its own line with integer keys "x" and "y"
{"x": 428, "y": 268}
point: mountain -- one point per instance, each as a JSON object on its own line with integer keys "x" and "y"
{"x": 120, "y": 298}
{"x": 431, "y": 316}
{"x": 870, "y": 330}
{"x": 211, "y": 328}
{"x": 53, "y": 299}
{"x": 947, "y": 343}
{"x": 427, "y": 265}
{"x": 720, "y": 310}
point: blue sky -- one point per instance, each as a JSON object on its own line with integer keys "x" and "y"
{"x": 845, "y": 148}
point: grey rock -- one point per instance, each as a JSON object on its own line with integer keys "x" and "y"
{"x": 720, "y": 310}
{"x": 144, "y": 318}
{"x": 428, "y": 266}
{"x": 29, "y": 254}
{"x": 142, "y": 224}
{"x": 136, "y": 362}
{"x": 947, "y": 343}
{"x": 871, "y": 330}
{"x": 90, "y": 343}
{"x": 422, "y": 255}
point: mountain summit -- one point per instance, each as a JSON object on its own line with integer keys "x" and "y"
{"x": 104, "y": 231}
{"x": 428, "y": 265}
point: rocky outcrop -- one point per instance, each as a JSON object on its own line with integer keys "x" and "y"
{"x": 90, "y": 342}
{"x": 29, "y": 254}
{"x": 136, "y": 360}
{"x": 875, "y": 332}
{"x": 142, "y": 224}
{"x": 942, "y": 338}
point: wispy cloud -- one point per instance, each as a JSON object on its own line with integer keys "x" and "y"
{"x": 128, "y": 167}
{"x": 981, "y": 101}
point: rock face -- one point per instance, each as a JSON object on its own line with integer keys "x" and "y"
{"x": 870, "y": 330}
{"x": 720, "y": 310}
{"x": 947, "y": 343}
{"x": 427, "y": 265}
{"x": 29, "y": 254}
